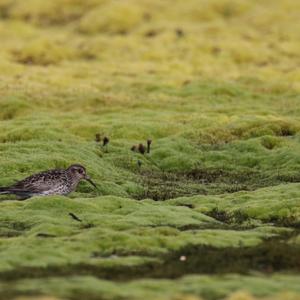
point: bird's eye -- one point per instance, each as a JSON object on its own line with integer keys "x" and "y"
{"x": 80, "y": 171}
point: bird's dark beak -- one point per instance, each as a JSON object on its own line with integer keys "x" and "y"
{"x": 88, "y": 178}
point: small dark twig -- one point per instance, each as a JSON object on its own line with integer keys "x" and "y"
{"x": 45, "y": 235}
{"x": 74, "y": 217}
{"x": 105, "y": 141}
{"x": 149, "y": 142}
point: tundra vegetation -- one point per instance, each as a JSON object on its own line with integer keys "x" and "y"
{"x": 213, "y": 211}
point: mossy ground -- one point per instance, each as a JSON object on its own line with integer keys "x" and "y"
{"x": 215, "y": 86}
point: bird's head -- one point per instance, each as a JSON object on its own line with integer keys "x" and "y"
{"x": 79, "y": 172}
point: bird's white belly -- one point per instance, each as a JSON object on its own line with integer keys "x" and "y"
{"x": 56, "y": 191}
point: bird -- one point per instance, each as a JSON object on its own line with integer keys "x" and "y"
{"x": 51, "y": 182}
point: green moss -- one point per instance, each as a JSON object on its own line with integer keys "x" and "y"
{"x": 214, "y": 287}
{"x": 12, "y": 107}
{"x": 276, "y": 204}
{"x": 109, "y": 226}
{"x": 217, "y": 92}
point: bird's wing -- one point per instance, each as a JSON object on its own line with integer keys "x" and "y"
{"x": 40, "y": 182}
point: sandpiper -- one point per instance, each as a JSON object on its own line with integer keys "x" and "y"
{"x": 51, "y": 182}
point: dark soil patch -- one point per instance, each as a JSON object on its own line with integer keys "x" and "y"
{"x": 218, "y": 175}
{"x": 238, "y": 217}
{"x": 165, "y": 185}
{"x": 159, "y": 185}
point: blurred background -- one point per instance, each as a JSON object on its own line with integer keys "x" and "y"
{"x": 170, "y": 40}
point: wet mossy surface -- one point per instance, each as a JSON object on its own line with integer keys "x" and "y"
{"x": 212, "y": 211}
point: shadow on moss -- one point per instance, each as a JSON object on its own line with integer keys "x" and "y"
{"x": 270, "y": 256}
{"x": 159, "y": 185}
{"x": 238, "y": 217}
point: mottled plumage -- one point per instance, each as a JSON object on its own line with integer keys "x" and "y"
{"x": 52, "y": 182}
